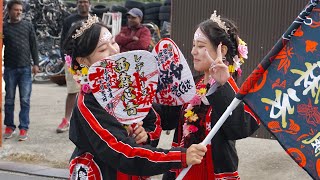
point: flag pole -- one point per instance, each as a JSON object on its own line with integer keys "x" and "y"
{"x": 256, "y": 75}
{"x": 213, "y": 131}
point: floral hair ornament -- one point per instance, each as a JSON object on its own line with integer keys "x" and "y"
{"x": 68, "y": 60}
{"x": 85, "y": 25}
{"x": 238, "y": 60}
{"x": 218, "y": 20}
{"x": 80, "y": 76}
{"x": 242, "y": 49}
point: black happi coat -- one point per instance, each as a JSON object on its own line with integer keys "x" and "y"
{"x": 103, "y": 146}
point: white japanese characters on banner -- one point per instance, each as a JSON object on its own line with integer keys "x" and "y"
{"x": 125, "y": 84}
{"x": 176, "y": 85}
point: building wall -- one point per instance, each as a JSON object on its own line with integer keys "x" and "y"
{"x": 261, "y": 24}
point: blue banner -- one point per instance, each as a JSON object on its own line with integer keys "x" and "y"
{"x": 286, "y": 95}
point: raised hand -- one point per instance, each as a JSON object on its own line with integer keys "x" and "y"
{"x": 218, "y": 70}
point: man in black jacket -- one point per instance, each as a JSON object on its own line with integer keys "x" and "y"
{"x": 20, "y": 45}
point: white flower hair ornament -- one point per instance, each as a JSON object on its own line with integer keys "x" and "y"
{"x": 238, "y": 60}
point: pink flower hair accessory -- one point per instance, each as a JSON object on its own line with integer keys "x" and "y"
{"x": 68, "y": 60}
{"x": 242, "y": 49}
{"x": 238, "y": 59}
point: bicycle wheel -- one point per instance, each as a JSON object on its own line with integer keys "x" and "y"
{"x": 41, "y": 77}
{"x": 55, "y": 66}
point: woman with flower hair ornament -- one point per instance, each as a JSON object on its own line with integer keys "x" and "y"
{"x": 105, "y": 148}
{"x": 218, "y": 52}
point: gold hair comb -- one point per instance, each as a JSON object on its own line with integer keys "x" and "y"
{"x": 220, "y": 23}
{"x": 86, "y": 25}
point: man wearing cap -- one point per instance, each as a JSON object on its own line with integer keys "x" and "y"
{"x": 135, "y": 36}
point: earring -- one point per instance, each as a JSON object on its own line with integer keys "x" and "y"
{"x": 223, "y": 58}
{"x": 82, "y": 65}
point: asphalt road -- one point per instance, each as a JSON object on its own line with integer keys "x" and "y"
{"x": 17, "y": 176}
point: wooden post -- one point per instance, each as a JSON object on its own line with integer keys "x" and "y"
{"x": 1, "y": 45}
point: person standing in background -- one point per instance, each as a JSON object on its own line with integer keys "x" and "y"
{"x": 73, "y": 87}
{"x": 20, "y": 45}
{"x": 135, "y": 36}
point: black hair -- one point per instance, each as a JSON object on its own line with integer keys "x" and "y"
{"x": 216, "y": 35}
{"x": 82, "y": 46}
{"x": 13, "y": 2}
